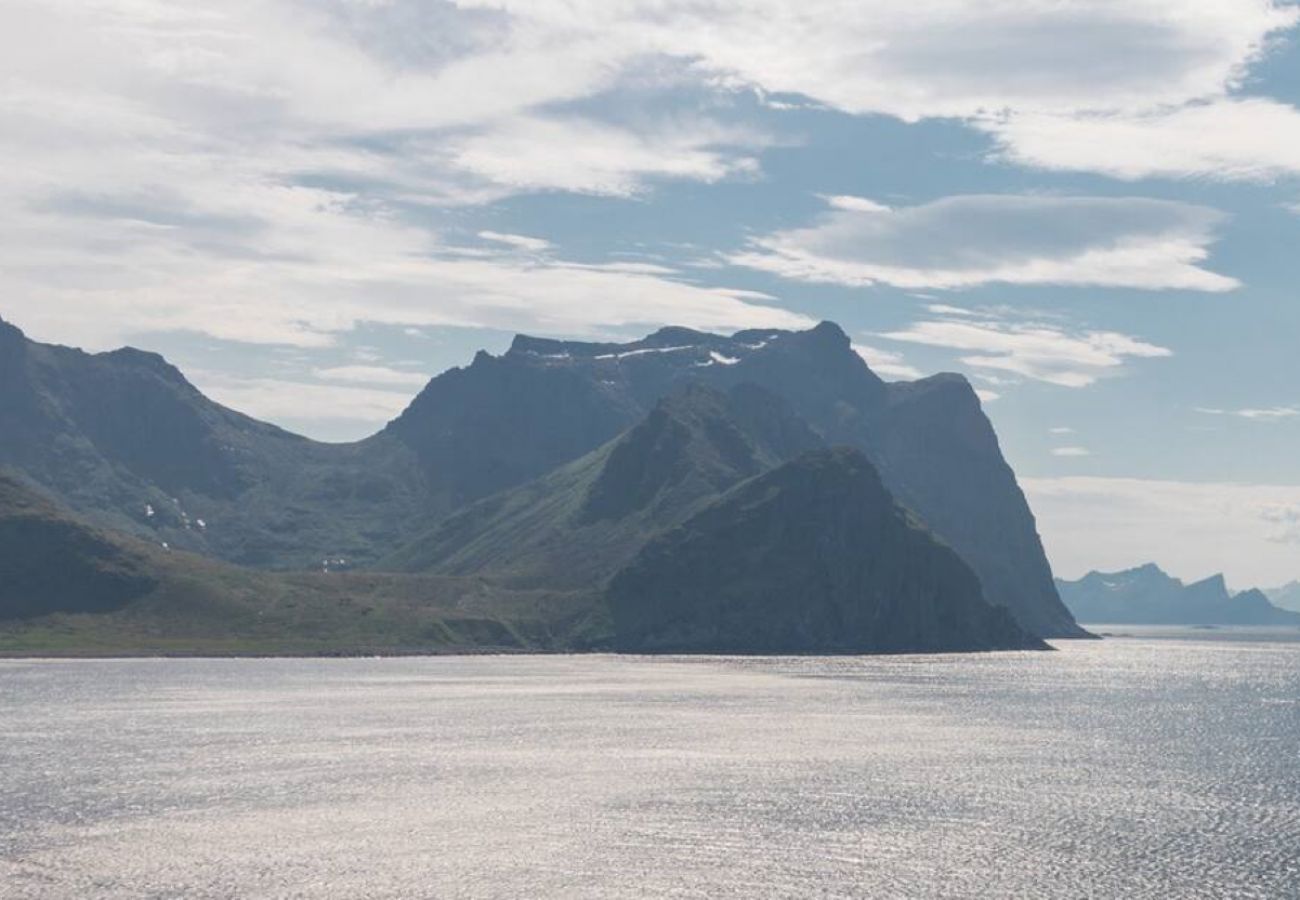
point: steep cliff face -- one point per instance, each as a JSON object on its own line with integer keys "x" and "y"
{"x": 811, "y": 557}
{"x": 939, "y": 455}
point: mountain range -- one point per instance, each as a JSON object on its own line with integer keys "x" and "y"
{"x": 1286, "y": 597}
{"x": 1148, "y": 596}
{"x": 552, "y": 467}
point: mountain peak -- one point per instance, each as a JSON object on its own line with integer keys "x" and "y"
{"x": 829, "y": 333}
{"x": 11, "y": 335}
{"x": 674, "y": 335}
{"x": 697, "y": 432}
{"x": 144, "y": 359}
{"x": 1215, "y": 583}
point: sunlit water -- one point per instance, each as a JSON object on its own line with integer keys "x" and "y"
{"x": 1135, "y": 767}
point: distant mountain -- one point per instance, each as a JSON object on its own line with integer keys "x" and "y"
{"x": 1286, "y": 597}
{"x": 1148, "y": 596}
{"x": 811, "y": 557}
{"x": 124, "y": 439}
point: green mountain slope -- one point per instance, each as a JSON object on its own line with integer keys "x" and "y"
{"x": 68, "y": 587}
{"x": 576, "y": 526}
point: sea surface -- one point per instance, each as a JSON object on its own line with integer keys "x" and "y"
{"x": 1163, "y": 764}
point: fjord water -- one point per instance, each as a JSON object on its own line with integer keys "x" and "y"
{"x": 1151, "y": 766}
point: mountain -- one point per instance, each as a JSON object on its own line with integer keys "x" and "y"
{"x": 124, "y": 439}
{"x": 1148, "y": 596}
{"x": 721, "y": 524}
{"x": 50, "y": 562}
{"x": 931, "y": 442}
{"x": 69, "y": 587}
{"x": 1285, "y": 597}
{"x": 811, "y": 557}
{"x": 575, "y": 526}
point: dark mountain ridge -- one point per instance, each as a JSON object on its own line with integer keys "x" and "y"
{"x": 813, "y": 556}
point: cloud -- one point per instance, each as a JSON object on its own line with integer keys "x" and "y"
{"x": 326, "y": 411}
{"x": 262, "y": 171}
{"x": 965, "y": 241}
{"x": 886, "y": 364}
{"x": 1244, "y": 139}
{"x": 944, "y": 309}
{"x": 1267, "y": 414}
{"x": 371, "y": 375}
{"x": 1284, "y": 522}
{"x": 580, "y": 156}
{"x": 1043, "y": 352}
{"x": 1124, "y": 88}
{"x": 1191, "y": 529}
{"x": 986, "y": 396}
{"x": 520, "y": 241}
{"x": 916, "y": 60}
{"x": 855, "y": 204}
{"x": 1071, "y": 451}
{"x": 1060, "y": 429}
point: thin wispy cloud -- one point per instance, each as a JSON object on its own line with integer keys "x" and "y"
{"x": 1073, "y": 358}
{"x": 886, "y": 363}
{"x": 521, "y": 241}
{"x": 376, "y": 375}
{"x": 965, "y": 241}
{"x": 1266, "y": 413}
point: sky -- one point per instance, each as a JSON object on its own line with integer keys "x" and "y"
{"x": 1091, "y": 209}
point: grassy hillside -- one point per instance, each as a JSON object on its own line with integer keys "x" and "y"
{"x": 69, "y": 588}
{"x": 576, "y": 526}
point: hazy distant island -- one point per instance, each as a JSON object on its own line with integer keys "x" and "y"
{"x": 1146, "y": 595}
{"x": 1286, "y": 597}
{"x": 760, "y": 492}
